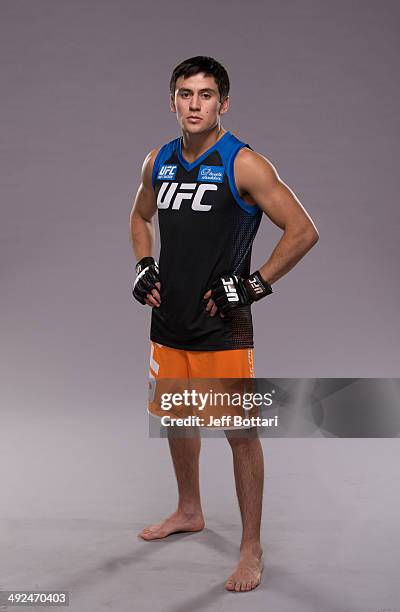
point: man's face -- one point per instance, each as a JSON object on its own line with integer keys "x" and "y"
{"x": 197, "y": 103}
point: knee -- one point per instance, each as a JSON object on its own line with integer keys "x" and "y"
{"x": 242, "y": 438}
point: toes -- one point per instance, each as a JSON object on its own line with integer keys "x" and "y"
{"x": 148, "y": 534}
{"x": 148, "y": 530}
{"x": 241, "y": 585}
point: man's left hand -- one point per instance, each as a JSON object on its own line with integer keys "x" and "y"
{"x": 232, "y": 291}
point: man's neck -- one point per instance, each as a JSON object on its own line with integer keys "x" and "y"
{"x": 194, "y": 145}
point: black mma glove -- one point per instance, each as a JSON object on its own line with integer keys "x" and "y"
{"x": 231, "y": 291}
{"x": 147, "y": 276}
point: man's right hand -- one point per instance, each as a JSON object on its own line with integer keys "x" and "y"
{"x": 146, "y": 288}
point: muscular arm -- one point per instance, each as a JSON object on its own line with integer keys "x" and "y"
{"x": 143, "y": 211}
{"x": 258, "y": 182}
{"x": 141, "y": 220}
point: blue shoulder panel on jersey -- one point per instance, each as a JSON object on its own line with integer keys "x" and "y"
{"x": 228, "y": 150}
{"x": 164, "y": 153}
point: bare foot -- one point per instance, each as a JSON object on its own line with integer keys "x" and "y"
{"x": 247, "y": 575}
{"x": 173, "y": 524}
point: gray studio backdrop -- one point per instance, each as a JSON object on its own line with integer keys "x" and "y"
{"x": 84, "y": 98}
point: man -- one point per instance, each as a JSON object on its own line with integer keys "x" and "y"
{"x": 210, "y": 191}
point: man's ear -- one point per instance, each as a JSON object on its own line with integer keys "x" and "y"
{"x": 224, "y": 106}
{"x": 172, "y": 103}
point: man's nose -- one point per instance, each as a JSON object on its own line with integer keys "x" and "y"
{"x": 194, "y": 102}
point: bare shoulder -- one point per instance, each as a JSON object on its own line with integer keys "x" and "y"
{"x": 250, "y": 166}
{"x": 148, "y": 165}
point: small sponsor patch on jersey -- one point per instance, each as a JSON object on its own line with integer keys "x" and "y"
{"x": 167, "y": 172}
{"x": 211, "y": 173}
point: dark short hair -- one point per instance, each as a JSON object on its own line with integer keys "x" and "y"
{"x": 202, "y": 63}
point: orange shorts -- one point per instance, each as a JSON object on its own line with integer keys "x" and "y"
{"x": 180, "y": 367}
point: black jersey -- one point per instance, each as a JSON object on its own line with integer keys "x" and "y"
{"x": 206, "y": 230}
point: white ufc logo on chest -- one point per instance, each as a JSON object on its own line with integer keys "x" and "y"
{"x": 171, "y": 195}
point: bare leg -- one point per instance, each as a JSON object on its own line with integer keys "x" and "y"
{"x": 248, "y": 463}
{"x": 185, "y": 453}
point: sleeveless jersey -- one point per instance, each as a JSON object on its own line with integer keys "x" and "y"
{"x": 206, "y": 230}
